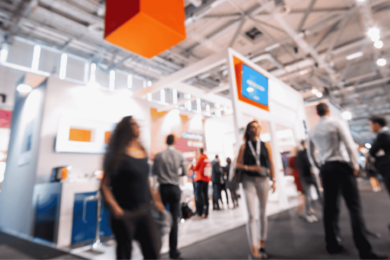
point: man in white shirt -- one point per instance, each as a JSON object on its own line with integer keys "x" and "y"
{"x": 168, "y": 166}
{"x": 337, "y": 169}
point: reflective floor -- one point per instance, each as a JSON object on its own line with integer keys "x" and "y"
{"x": 223, "y": 235}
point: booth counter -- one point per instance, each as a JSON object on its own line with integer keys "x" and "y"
{"x": 65, "y": 213}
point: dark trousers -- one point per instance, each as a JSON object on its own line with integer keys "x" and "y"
{"x": 203, "y": 198}
{"x": 216, "y": 194}
{"x": 385, "y": 172}
{"x": 195, "y": 184}
{"x": 338, "y": 177}
{"x": 141, "y": 228}
{"x": 170, "y": 195}
{"x": 223, "y": 188}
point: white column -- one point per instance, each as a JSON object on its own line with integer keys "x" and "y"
{"x": 279, "y": 175}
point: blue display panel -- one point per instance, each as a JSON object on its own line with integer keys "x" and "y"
{"x": 46, "y": 216}
{"x": 254, "y": 85}
{"x": 85, "y": 230}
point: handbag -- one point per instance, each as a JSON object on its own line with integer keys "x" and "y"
{"x": 236, "y": 174}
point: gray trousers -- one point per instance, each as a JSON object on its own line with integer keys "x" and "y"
{"x": 256, "y": 187}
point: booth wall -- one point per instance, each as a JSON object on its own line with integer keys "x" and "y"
{"x": 17, "y": 189}
{"x": 165, "y": 123}
{"x": 64, "y": 98}
{"x": 9, "y": 78}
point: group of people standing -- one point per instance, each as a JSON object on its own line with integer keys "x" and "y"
{"x": 220, "y": 180}
{"x": 133, "y": 202}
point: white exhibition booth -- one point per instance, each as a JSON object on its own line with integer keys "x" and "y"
{"x": 282, "y": 118}
{"x": 66, "y": 105}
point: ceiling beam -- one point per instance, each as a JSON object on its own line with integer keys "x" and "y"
{"x": 237, "y": 33}
{"x": 336, "y": 37}
{"x": 298, "y": 38}
{"x": 186, "y": 73}
{"x": 306, "y": 15}
{"x": 225, "y": 27}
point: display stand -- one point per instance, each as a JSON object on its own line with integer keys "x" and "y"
{"x": 96, "y": 243}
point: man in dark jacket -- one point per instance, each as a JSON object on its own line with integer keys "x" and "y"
{"x": 380, "y": 149}
{"x": 216, "y": 179}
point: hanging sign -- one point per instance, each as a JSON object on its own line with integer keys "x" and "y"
{"x": 145, "y": 27}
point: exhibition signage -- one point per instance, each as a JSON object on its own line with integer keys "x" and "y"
{"x": 145, "y": 27}
{"x": 192, "y": 136}
{"x": 252, "y": 86}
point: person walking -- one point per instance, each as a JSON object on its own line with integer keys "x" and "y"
{"x": 295, "y": 173}
{"x": 202, "y": 185}
{"x": 126, "y": 191}
{"x": 256, "y": 165}
{"x": 216, "y": 180}
{"x": 307, "y": 179}
{"x": 232, "y": 186}
{"x": 224, "y": 188}
{"x": 380, "y": 149}
{"x": 168, "y": 166}
{"x": 337, "y": 171}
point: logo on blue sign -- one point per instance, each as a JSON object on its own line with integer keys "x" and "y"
{"x": 254, "y": 85}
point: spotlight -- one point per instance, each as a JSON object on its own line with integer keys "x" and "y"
{"x": 347, "y": 115}
{"x": 23, "y": 88}
{"x": 378, "y": 44}
{"x": 354, "y": 55}
{"x": 375, "y": 38}
{"x": 374, "y": 34}
{"x": 149, "y": 83}
{"x": 319, "y": 94}
{"x": 314, "y": 91}
{"x": 367, "y": 145}
{"x": 381, "y": 62}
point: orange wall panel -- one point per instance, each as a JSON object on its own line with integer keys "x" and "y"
{"x": 80, "y": 135}
{"x": 107, "y": 136}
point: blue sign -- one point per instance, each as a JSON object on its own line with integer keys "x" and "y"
{"x": 192, "y": 136}
{"x": 254, "y": 85}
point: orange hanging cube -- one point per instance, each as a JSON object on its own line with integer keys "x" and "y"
{"x": 145, "y": 27}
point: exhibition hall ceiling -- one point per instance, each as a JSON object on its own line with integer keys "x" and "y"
{"x": 306, "y": 43}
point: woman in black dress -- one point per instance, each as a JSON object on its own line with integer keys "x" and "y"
{"x": 126, "y": 190}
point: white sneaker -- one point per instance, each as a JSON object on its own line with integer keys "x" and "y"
{"x": 314, "y": 218}
{"x": 309, "y": 219}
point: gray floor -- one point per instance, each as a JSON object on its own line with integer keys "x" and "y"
{"x": 290, "y": 237}
{"x": 15, "y": 248}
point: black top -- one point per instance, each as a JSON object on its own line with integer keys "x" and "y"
{"x": 130, "y": 185}
{"x": 216, "y": 172}
{"x": 382, "y": 142}
{"x": 250, "y": 160}
{"x": 226, "y": 170}
{"x": 303, "y": 164}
